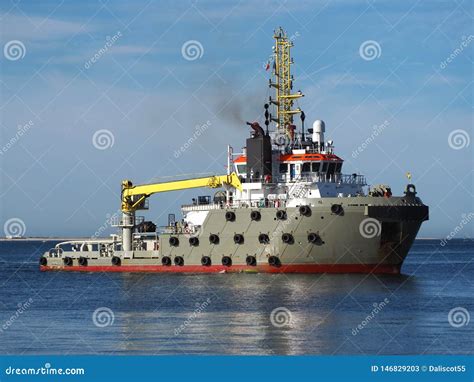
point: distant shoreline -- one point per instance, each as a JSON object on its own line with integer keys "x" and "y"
{"x": 52, "y": 238}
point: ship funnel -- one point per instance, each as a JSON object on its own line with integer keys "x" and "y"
{"x": 319, "y": 128}
{"x": 259, "y": 155}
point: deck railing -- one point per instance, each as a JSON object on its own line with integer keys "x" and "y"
{"x": 324, "y": 178}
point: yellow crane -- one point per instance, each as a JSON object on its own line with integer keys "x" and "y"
{"x": 133, "y": 197}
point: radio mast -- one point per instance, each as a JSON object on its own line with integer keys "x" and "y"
{"x": 283, "y": 82}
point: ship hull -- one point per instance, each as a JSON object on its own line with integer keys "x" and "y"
{"x": 363, "y": 235}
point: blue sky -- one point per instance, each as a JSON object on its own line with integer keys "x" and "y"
{"x": 151, "y": 98}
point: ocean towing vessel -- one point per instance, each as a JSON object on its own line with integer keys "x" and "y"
{"x": 284, "y": 206}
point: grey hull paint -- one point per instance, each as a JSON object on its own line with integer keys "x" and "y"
{"x": 343, "y": 240}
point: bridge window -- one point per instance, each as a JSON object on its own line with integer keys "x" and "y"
{"x": 338, "y": 167}
{"x": 332, "y": 168}
{"x": 283, "y": 168}
{"x": 306, "y": 167}
{"x": 325, "y": 167}
{"x": 315, "y": 166}
{"x": 204, "y": 200}
{"x": 241, "y": 168}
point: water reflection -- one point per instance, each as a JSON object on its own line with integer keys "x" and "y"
{"x": 231, "y": 314}
{"x": 165, "y": 313}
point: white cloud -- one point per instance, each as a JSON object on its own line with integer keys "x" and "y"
{"x": 22, "y": 27}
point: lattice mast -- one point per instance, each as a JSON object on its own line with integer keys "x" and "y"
{"x": 283, "y": 83}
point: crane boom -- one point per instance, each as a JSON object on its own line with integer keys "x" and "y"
{"x": 143, "y": 191}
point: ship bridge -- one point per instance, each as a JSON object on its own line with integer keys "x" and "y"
{"x": 298, "y": 175}
{"x": 298, "y": 165}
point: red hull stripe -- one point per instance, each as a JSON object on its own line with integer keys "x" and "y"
{"x": 290, "y": 268}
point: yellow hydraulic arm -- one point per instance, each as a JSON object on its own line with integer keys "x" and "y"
{"x": 130, "y": 204}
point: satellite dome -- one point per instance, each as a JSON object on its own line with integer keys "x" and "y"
{"x": 319, "y": 126}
